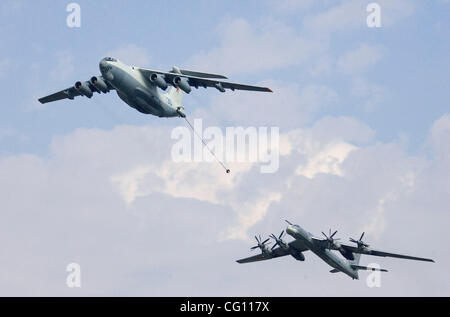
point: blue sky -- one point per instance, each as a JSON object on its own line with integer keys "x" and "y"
{"x": 337, "y": 84}
{"x": 413, "y": 71}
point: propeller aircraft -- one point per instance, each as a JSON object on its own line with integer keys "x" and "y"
{"x": 323, "y": 248}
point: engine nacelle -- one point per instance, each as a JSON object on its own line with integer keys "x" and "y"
{"x": 219, "y": 87}
{"x": 182, "y": 83}
{"x": 159, "y": 81}
{"x": 347, "y": 254}
{"x": 83, "y": 88}
{"x": 100, "y": 84}
{"x": 298, "y": 256}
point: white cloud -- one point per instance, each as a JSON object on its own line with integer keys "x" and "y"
{"x": 249, "y": 213}
{"x": 345, "y": 15}
{"x": 327, "y": 161}
{"x": 245, "y": 48}
{"x": 115, "y": 197}
{"x": 288, "y": 107}
{"x": 350, "y": 129}
{"x": 360, "y": 59}
{"x": 440, "y": 135}
{"x": 140, "y": 224}
{"x": 350, "y": 15}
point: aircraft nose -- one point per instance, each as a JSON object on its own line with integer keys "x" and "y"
{"x": 103, "y": 65}
{"x": 290, "y": 229}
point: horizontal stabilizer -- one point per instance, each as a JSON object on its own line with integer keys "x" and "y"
{"x": 201, "y": 75}
{"x": 334, "y": 271}
{"x": 359, "y": 267}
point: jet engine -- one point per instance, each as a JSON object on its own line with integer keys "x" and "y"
{"x": 182, "y": 83}
{"x": 83, "y": 89}
{"x": 219, "y": 87}
{"x": 159, "y": 81}
{"x": 100, "y": 84}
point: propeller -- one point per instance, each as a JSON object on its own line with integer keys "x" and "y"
{"x": 329, "y": 237}
{"x": 360, "y": 243}
{"x": 278, "y": 240}
{"x": 260, "y": 244}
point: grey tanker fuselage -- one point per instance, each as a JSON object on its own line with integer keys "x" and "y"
{"x": 136, "y": 90}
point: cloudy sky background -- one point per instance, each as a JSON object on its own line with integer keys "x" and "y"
{"x": 365, "y": 128}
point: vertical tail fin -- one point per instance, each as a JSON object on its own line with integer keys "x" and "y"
{"x": 176, "y": 96}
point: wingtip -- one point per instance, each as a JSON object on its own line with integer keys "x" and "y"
{"x": 269, "y": 90}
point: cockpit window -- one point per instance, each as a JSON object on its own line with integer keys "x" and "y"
{"x": 110, "y": 59}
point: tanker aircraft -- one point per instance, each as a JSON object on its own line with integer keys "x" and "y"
{"x": 138, "y": 87}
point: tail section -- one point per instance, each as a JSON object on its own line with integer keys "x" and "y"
{"x": 195, "y": 73}
{"x": 355, "y": 264}
{"x": 200, "y": 74}
{"x": 359, "y": 267}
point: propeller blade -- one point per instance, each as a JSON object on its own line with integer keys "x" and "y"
{"x": 333, "y": 234}
{"x": 288, "y": 222}
{"x": 257, "y": 239}
{"x": 325, "y": 235}
{"x": 273, "y": 247}
{"x": 265, "y": 241}
{"x": 281, "y": 234}
{"x": 361, "y": 236}
{"x": 255, "y": 247}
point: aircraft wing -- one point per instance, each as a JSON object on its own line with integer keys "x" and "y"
{"x": 196, "y": 81}
{"x": 324, "y": 244}
{"x": 71, "y": 92}
{"x": 68, "y": 93}
{"x": 382, "y": 253}
{"x": 276, "y": 253}
{"x": 298, "y": 245}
